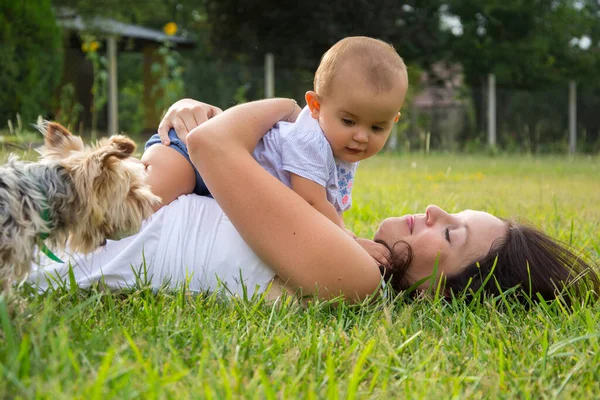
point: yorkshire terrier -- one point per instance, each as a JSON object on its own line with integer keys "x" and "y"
{"x": 74, "y": 194}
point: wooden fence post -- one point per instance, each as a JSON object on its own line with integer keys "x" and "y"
{"x": 491, "y": 110}
{"x": 113, "y": 97}
{"x": 269, "y": 75}
{"x": 572, "y": 117}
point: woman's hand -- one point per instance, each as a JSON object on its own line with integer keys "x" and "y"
{"x": 184, "y": 115}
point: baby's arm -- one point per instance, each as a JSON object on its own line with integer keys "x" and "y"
{"x": 316, "y": 196}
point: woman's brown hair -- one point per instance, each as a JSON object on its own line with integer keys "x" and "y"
{"x": 540, "y": 266}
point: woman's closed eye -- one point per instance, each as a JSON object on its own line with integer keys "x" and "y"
{"x": 448, "y": 235}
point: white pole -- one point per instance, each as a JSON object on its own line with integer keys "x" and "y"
{"x": 572, "y": 117}
{"x": 113, "y": 98}
{"x": 269, "y": 75}
{"x": 491, "y": 110}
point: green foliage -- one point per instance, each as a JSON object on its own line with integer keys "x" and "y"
{"x": 69, "y": 109}
{"x": 132, "y": 12}
{"x": 533, "y": 49}
{"x": 131, "y": 112}
{"x": 30, "y": 44}
{"x": 526, "y": 44}
{"x": 99, "y": 90}
{"x": 226, "y": 83}
{"x": 300, "y": 34}
{"x": 168, "y": 73}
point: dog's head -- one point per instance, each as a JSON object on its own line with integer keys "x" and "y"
{"x": 113, "y": 196}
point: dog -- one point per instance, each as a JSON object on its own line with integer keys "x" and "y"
{"x": 74, "y": 194}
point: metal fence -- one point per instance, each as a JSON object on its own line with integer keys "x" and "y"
{"x": 444, "y": 118}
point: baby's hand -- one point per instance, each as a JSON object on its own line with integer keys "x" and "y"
{"x": 185, "y": 115}
{"x": 378, "y": 251}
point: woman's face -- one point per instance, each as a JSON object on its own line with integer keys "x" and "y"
{"x": 459, "y": 239}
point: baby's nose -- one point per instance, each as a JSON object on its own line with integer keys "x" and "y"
{"x": 361, "y": 136}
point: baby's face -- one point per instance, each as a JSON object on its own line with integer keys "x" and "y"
{"x": 356, "y": 119}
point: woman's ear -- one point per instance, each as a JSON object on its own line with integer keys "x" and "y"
{"x": 313, "y": 103}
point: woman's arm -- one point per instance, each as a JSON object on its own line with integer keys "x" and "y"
{"x": 304, "y": 248}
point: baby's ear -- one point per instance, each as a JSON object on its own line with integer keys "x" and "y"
{"x": 397, "y": 116}
{"x": 314, "y": 104}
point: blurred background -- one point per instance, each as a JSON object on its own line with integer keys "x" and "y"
{"x": 517, "y": 76}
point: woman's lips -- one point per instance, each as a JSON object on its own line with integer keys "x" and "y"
{"x": 411, "y": 223}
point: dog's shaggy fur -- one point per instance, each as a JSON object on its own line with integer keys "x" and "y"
{"x": 88, "y": 194}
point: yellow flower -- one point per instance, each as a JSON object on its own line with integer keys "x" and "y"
{"x": 170, "y": 29}
{"x": 94, "y": 46}
{"x": 85, "y": 47}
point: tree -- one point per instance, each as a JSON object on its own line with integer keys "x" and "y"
{"x": 525, "y": 43}
{"x": 528, "y": 45}
{"x": 30, "y": 44}
{"x": 298, "y": 35}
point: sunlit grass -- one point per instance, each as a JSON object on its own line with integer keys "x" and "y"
{"x": 175, "y": 345}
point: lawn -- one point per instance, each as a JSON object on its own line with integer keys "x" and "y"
{"x": 174, "y": 345}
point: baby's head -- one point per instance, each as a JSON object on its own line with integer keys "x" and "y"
{"x": 359, "y": 88}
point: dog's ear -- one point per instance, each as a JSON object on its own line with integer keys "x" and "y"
{"x": 123, "y": 145}
{"x": 57, "y": 136}
{"x": 117, "y": 146}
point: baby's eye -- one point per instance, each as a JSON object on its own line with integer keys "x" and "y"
{"x": 447, "y": 234}
{"x": 347, "y": 121}
{"x": 376, "y": 129}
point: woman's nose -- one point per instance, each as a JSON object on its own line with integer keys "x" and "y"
{"x": 434, "y": 213}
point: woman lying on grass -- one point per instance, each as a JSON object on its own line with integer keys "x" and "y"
{"x": 257, "y": 232}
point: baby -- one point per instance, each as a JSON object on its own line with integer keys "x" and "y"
{"x": 359, "y": 89}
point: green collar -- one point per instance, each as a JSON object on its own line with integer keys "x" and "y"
{"x": 45, "y": 214}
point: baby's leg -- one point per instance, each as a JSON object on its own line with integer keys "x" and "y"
{"x": 170, "y": 174}
{"x": 170, "y": 169}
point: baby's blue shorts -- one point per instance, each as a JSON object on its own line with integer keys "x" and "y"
{"x": 181, "y": 148}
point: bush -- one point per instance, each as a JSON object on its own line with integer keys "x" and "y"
{"x": 31, "y": 48}
{"x": 131, "y": 110}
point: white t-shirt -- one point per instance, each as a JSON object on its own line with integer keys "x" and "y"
{"x": 190, "y": 240}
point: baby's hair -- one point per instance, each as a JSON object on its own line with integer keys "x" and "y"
{"x": 377, "y": 60}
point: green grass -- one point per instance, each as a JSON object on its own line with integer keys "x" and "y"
{"x": 175, "y": 345}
